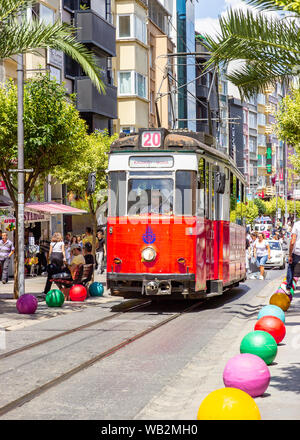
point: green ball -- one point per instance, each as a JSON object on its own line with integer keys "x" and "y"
{"x": 55, "y": 298}
{"x": 292, "y": 291}
{"x": 261, "y": 344}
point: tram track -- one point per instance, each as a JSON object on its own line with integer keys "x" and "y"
{"x": 73, "y": 330}
{"x": 25, "y": 398}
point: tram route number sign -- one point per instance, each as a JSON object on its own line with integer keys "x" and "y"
{"x": 151, "y": 139}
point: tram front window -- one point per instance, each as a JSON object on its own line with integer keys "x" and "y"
{"x": 150, "y": 196}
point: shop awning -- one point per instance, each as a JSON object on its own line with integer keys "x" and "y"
{"x": 53, "y": 208}
{"x": 5, "y": 202}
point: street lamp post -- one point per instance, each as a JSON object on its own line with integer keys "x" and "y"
{"x": 20, "y": 79}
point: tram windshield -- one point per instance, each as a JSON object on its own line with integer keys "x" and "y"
{"x": 150, "y": 196}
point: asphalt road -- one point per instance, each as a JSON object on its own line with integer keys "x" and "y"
{"x": 121, "y": 385}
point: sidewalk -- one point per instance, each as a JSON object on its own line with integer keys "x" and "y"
{"x": 204, "y": 373}
{"x": 10, "y": 319}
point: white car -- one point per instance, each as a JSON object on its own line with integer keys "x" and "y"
{"x": 277, "y": 255}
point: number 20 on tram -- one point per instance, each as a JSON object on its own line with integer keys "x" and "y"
{"x": 169, "y": 232}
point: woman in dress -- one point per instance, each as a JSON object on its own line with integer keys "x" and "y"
{"x": 56, "y": 259}
{"x": 262, "y": 253}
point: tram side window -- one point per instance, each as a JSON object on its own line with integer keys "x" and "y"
{"x": 117, "y": 193}
{"x": 213, "y": 195}
{"x": 201, "y": 189}
{"x": 185, "y": 192}
{"x": 207, "y": 198}
{"x": 232, "y": 198}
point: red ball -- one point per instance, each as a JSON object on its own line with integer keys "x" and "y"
{"x": 273, "y": 325}
{"x": 78, "y": 293}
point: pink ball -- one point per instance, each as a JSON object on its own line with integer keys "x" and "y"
{"x": 248, "y": 373}
{"x": 27, "y": 304}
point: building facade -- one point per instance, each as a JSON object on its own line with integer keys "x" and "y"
{"x": 131, "y": 65}
{"x": 207, "y": 93}
{"x": 93, "y": 19}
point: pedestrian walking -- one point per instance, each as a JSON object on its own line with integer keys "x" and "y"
{"x": 68, "y": 247}
{"x": 6, "y": 251}
{"x": 247, "y": 256}
{"x": 294, "y": 254}
{"x": 57, "y": 258}
{"x": 79, "y": 240}
{"x": 100, "y": 251}
{"x": 262, "y": 253}
{"x": 88, "y": 236}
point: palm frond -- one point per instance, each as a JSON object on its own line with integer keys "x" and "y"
{"x": 9, "y": 8}
{"x": 29, "y": 36}
{"x": 255, "y": 77}
{"x": 265, "y": 5}
{"x": 255, "y": 37}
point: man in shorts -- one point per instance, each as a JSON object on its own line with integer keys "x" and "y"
{"x": 294, "y": 254}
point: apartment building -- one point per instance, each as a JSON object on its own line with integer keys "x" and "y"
{"x": 131, "y": 65}
{"x": 93, "y": 19}
{"x": 162, "y": 82}
{"x": 207, "y": 93}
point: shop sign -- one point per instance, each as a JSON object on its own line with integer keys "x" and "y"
{"x": 35, "y": 217}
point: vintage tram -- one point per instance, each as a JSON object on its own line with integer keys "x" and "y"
{"x": 171, "y": 199}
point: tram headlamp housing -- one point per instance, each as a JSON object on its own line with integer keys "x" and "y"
{"x": 148, "y": 254}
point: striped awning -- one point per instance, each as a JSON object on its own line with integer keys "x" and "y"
{"x": 53, "y": 208}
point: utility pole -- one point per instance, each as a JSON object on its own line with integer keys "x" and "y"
{"x": 20, "y": 79}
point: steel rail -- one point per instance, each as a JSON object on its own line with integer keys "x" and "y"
{"x": 52, "y": 383}
{"x": 68, "y": 332}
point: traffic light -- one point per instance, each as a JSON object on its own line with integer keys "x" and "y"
{"x": 269, "y": 158}
{"x": 91, "y": 183}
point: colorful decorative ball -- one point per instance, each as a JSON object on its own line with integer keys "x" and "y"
{"x": 55, "y": 298}
{"x": 78, "y": 293}
{"x": 228, "y": 404}
{"x": 290, "y": 296}
{"x": 272, "y": 325}
{"x": 294, "y": 284}
{"x": 281, "y": 300}
{"x": 271, "y": 310}
{"x": 248, "y": 373}
{"x": 96, "y": 289}
{"x": 261, "y": 344}
{"x": 27, "y": 304}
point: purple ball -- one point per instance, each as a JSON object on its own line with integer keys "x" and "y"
{"x": 248, "y": 373}
{"x": 27, "y": 304}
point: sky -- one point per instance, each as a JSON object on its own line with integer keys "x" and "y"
{"x": 208, "y": 11}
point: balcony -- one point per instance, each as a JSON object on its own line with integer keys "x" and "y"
{"x": 89, "y": 100}
{"x": 96, "y": 32}
{"x": 201, "y": 91}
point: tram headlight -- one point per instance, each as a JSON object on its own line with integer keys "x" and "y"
{"x": 148, "y": 254}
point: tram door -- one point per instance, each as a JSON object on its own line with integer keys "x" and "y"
{"x": 210, "y": 230}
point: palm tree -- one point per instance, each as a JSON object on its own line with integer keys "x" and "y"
{"x": 23, "y": 36}
{"x": 268, "y": 46}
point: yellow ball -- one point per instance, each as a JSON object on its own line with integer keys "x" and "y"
{"x": 228, "y": 404}
{"x": 284, "y": 279}
{"x": 281, "y": 300}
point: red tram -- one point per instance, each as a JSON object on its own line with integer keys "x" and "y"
{"x": 169, "y": 207}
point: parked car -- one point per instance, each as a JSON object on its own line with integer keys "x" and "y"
{"x": 278, "y": 255}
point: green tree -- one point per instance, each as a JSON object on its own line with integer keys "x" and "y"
{"x": 75, "y": 174}
{"x": 288, "y": 123}
{"x": 54, "y": 133}
{"x": 269, "y": 47}
{"x": 260, "y": 205}
{"x": 23, "y": 36}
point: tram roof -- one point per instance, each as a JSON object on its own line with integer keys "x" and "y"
{"x": 174, "y": 141}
